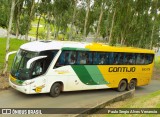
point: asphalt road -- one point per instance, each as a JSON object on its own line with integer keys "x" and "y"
{"x": 79, "y": 99}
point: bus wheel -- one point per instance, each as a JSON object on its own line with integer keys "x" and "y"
{"x": 55, "y": 90}
{"x": 122, "y": 86}
{"x": 131, "y": 85}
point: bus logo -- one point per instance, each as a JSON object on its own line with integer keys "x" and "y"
{"x": 121, "y": 69}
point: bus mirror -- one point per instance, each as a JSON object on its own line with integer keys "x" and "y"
{"x": 34, "y": 59}
{"x": 7, "y": 56}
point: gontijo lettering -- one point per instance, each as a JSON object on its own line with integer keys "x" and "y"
{"x": 121, "y": 69}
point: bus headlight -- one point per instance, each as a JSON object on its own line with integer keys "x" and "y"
{"x": 27, "y": 83}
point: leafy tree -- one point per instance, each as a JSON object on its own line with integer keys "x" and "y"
{"x": 61, "y": 16}
{"x": 4, "y": 13}
{"x": 73, "y": 9}
{"x": 88, "y": 2}
{"x": 16, "y": 19}
{"x": 8, "y": 34}
{"x": 30, "y": 7}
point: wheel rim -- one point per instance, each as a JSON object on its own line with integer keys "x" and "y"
{"x": 123, "y": 86}
{"x": 132, "y": 85}
{"x": 57, "y": 90}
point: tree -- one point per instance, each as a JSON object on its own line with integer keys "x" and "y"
{"x": 74, "y": 4}
{"x": 102, "y": 9}
{"x": 112, "y": 24}
{"x": 4, "y": 13}
{"x": 39, "y": 12}
{"x": 8, "y": 34}
{"x": 61, "y": 16}
{"x": 30, "y": 10}
{"x": 17, "y": 14}
{"x": 154, "y": 16}
{"x": 86, "y": 18}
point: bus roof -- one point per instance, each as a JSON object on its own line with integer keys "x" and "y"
{"x": 38, "y": 46}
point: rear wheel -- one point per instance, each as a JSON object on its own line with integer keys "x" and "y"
{"x": 131, "y": 85}
{"x": 122, "y": 86}
{"x": 55, "y": 90}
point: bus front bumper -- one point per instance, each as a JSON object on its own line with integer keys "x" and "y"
{"x": 23, "y": 89}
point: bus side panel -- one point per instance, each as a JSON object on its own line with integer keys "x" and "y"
{"x": 90, "y": 76}
{"x": 115, "y": 73}
{"x": 84, "y": 77}
{"x": 67, "y": 76}
{"x": 112, "y": 75}
{"x": 144, "y": 73}
{"x": 87, "y": 77}
{"x": 77, "y": 77}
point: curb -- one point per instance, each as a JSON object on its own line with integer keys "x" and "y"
{"x": 92, "y": 110}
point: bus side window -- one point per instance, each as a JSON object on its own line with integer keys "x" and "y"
{"x": 140, "y": 60}
{"x": 63, "y": 59}
{"x": 107, "y": 58}
{"x": 116, "y": 58}
{"x": 66, "y": 58}
{"x": 72, "y": 58}
{"x": 131, "y": 59}
{"x": 121, "y": 58}
{"x": 151, "y": 57}
{"x": 102, "y": 58}
{"x": 95, "y": 58}
{"x": 148, "y": 58}
{"x": 111, "y": 58}
{"x": 98, "y": 58}
{"x": 84, "y": 57}
{"x": 89, "y": 57}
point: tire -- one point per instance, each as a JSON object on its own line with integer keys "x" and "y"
{"x": 122, "y": 86}
{"x": 131, "y": 85}
{"x": 55, "y": 90}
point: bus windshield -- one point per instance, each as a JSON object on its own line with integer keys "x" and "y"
{"x": 37, "y": 68}
{"x": 19, "y": 64}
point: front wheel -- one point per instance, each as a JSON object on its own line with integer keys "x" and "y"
{"x": 55, "y": 90}
{"x": 131, "y": 85}
{"x": 122, "y": 86}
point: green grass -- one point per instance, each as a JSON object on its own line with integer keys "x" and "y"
{"x": 43, "y": 30}
{"x": 33, "y": 30}
{"x": 14, "y": 45}
{"x": 157, "y": 62}
{"x": 35, "y": 21}
{"x": 147, "y": 101}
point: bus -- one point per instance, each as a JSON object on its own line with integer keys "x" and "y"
{"x": 57, "y": 66}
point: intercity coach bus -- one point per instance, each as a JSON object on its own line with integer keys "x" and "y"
{"x": 56, "y": 66}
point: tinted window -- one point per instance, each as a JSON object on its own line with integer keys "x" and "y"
{"x": 130, "y": 58}
{"x": 50, "y": 56}
{"x": 84, "y": 57}
{"x": 102, "y": 58}
{"x": 67, "y": 58}
{"x": 149, "y": 58}
{"x": 144, "y": 58}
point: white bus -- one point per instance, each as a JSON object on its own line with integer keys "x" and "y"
{"x": 55, "y": 66}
